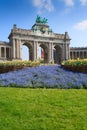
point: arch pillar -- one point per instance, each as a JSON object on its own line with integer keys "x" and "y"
{"x": 13, "y": 49}
{"x": 63, "y": 51}
{"x": 20, "y": 50}
{"x": 66, "y": 51}
{"x": 17, "y": 45}
{"x": 35, "y": 50}
{"x": 50, "y": 53}
{"x": 36, "y": 42}
{"x": 5, "y": 52}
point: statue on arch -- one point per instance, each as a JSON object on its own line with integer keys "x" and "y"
{"x": 45, "y": 20}
{"x": 40, "y": 20}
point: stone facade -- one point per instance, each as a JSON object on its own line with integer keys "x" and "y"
{"x": 5, "y": 51}
{"x": 78, "y": 52}
{"x": 56, "y": 46}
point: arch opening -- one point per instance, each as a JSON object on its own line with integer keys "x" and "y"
{"x": 43, "y": 53}
{"x": 27, "y": 53}
{"x": 57, "y": 53}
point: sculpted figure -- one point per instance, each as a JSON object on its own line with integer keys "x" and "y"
{"x": 40, "y": 20}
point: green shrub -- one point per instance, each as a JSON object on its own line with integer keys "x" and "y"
{"x": 7, "y": 66}
{"x": 78, "y": 62}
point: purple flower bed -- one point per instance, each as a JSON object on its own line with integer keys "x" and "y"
{"x": 44, "y": 76}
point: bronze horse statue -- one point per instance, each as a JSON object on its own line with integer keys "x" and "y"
{"x": 40, "y": 20}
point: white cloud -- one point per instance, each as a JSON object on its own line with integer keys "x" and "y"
{"x": 69, "y": 2}
{"x": 83, "y": 2}
{"x": 72, "y": 2}
{"x": 47, "y": 5}
{"x": 37, "y": 3}
{"x": 81, "y": 25}
{"x": 43, "y": 5}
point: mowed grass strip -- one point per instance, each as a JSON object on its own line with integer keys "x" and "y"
{"x": 43, "y": 109}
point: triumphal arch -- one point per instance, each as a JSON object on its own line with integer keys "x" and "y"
{"x": 56, "y": 46}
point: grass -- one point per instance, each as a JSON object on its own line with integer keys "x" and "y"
{"x": 43, "y": 109}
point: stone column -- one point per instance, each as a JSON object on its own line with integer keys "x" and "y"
{"x": 34, "y": 49}
{"x": 52, "y": 55}
{"x": 17, "y": 47}
{"x": 63, "y": 52}
{"x": 13, "y": 49}
{"x": 5, "y": 52}
{"x": 49, "y": 53}
{"x": 66, "y": 50}
{"x": 20, "y": 50}
{"x": 9, "y": 52}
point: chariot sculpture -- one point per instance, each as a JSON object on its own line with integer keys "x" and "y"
{"x": 40, "y": 20}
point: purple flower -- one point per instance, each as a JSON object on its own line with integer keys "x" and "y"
{"x": 44, "y": 76}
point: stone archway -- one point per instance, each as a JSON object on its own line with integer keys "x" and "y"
{"x": 39, "y": 35}
{"x": 57, "y": 52}
{"x": 30, "y": 50}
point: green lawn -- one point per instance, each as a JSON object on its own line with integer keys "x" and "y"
{"x": 43, "y": 109}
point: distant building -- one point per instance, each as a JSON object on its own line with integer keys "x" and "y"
{"x": 78, "y": 52}
{"x": 5, "y": 51}
{"x": 55, "y": 47}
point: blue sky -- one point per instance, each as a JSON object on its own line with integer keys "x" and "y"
{"x": 62, "y": 15}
